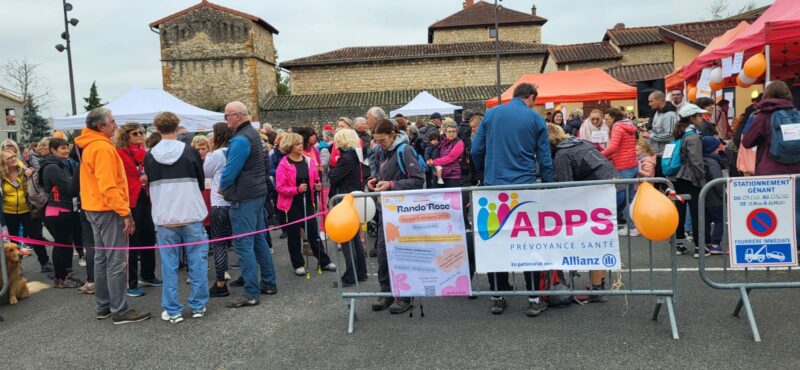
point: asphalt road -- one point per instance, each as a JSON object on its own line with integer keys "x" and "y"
{"x": 304, "y": 326}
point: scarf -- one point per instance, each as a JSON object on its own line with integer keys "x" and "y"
{"x": 587, "y": 129}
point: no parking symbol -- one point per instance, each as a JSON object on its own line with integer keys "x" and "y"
{"x": 762, "y": 222}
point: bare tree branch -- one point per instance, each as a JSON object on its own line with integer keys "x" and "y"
{"x": 24, "y": 80}
{"x": 717, "y": 8}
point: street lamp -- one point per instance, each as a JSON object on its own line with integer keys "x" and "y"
{"x": 61, "y": 48}
{"x": 497, "y": 9}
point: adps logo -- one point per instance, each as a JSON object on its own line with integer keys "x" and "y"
{"x": 492, "y": 216}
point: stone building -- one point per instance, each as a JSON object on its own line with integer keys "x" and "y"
{"x": 12, "y": 108}
{"x": 475, "y": 23}
{"x": 211, "y": 55}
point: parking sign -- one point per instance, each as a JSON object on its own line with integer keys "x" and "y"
{"x": 761, "y": 221}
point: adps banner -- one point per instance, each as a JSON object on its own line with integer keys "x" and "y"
{"x": 762, "y": 225}
{"x": 553, "y": 229}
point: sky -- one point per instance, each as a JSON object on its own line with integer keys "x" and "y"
{"x": 113, "y": 45}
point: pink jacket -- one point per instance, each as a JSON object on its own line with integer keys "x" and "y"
{"x": 286, "y": 182}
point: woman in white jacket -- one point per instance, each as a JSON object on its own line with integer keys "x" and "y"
{"x": 220, "y": 220}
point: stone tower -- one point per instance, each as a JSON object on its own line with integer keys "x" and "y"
{"x": 211, "y": 55}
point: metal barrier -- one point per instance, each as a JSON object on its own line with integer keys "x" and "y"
{"x": 744, "y": 287}
{"x": 3, "y": 274}
{"x": 665, "y": 294}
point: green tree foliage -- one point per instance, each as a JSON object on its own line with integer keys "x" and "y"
{"x": 34, "y": 127}
{"x": 93, "y": 101}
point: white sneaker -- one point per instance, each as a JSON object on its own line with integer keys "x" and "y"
{"x": 322, "y": 236}
{"x": 329, "y": 267}
{"x": 300, "y": 271}
{"x": 227, "y": 276}
{"x": 623, "y": 230}
{"x": 440, "y": 181}
{"x": 82, "y": 262}
{"x": 188, "y": 281}
{"x": 199, "y": 314}
{"x": 173, "y": 319}
{"x": 635, "y": 232}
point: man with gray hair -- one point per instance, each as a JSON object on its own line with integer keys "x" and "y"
{"x": 374, "y": 115}
{"x": 104, "y": 198}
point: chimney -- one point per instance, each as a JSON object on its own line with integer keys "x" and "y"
{"x": 533, "y": 9}
{"x": 468, "y": 3}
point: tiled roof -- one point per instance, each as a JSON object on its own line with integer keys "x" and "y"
{"x": 379, "y": 98}
{"x": 221, "y": 8}
{"x": 409, "y": 52}
{"x": 482, "y": 14}
{"x": 698, "y": 34}
{"x": 623, "y": 37}
{"x": 584, "y": 52}
{"x": 749, "y": 16}
{"x": 631, "y": 74}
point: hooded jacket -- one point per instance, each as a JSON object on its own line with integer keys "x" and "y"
{"x": 133, "y": 161}
{"x": 389, "y": 168}
{"x": 621, "y": 149}
{"x": 579, "y": 160}
{"x": 512, "y": 146}
{"x": 760, "y": 134}
{"x": 663, "y": 123}
{"x": 104, "y": 186}
{"x": 15, "y": 198}
{"x": 692, "y": 167}
{"x": 175, "y": 173}
{"x": 57, "y": 181}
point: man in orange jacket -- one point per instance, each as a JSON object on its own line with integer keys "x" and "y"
{"x": 104, "y": 198}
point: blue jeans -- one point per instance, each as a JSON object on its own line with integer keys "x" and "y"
{"x": 197, "y": 265}
{"x": 248, "y": 216}
{"x": 622, "y": 203}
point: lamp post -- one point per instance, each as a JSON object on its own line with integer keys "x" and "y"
{"x": 497, "y": 9}
{"x": 68, "y": 48}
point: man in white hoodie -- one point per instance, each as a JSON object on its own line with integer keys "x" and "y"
{"x": 175, "y": 173}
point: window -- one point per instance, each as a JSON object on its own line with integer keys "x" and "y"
{"x": 492, "y": 33}
{"x": 11, "y": 116}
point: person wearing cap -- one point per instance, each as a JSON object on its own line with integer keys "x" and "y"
{"x": 436, "y": 120}
{"x": 691, "y": 176}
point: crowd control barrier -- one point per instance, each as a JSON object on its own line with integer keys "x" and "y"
{"x": 4, "y": 275}
{"x": 762, "y": 253}
{"x": 620, "y": 282}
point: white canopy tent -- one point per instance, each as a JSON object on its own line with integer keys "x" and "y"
{"x": 425, "y": 104}
{"x": 141, "y": 105}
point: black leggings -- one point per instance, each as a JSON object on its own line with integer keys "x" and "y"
{"x": 145, "y": 235}
{"x": 64, "y": 228}
{"x": 30, "y": 229}
{"x": 686, "y": 187}
{"x": 295, "y": 244}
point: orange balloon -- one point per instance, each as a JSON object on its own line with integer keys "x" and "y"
{"x": 716, "y": 86}
{"x": 654, "y": 214}
{"x": 755, "y": 66}
{"x": 692, "y": 93}
{"x": 59, "y": 135}
{"x": 341, "y": 224}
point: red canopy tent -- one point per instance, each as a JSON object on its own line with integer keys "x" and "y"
{"x": 677, "y": 78}
{"x": 777, "y": 29}
{"x": 571, "y": 86}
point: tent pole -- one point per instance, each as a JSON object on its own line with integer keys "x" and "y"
{"x": 767, "y": 52}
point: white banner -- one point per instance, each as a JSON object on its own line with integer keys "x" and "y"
{"x": 425, "y": 243}
{"x": 554, "y": 229}
{"x": 762, "y": 225}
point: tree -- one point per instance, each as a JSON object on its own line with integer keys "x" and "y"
{"x": 284, "y": 83}
{"x": 718, "y": 8}
{"x": 93, "y": 101}
{"x": 34, "y": 127}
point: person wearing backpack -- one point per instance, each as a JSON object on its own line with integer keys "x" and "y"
{"x": 686, "y": 154}
{"x": 60, "y": 215}
{"x": 774, "y": 111}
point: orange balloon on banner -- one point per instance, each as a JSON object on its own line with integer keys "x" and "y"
{"x": 341, "y": 224}
{"x": 654, "y": 213}
{"x": 755, "y": 66}
{"x": 692, "y": 93}
{"x": 716, "y": 86}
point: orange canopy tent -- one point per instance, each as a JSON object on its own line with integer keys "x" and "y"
{"x": 677, "y": 78}
{"x": 571, "y": 86}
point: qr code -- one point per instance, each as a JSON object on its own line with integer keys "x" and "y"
{"x": 430, "y": 291}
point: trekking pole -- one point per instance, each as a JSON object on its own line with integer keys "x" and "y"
{"x": 319, "y": 247}
{"x": 305, "y": 222}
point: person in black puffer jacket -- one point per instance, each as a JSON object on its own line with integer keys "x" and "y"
{"x": 345, "y": 178}
{"x": 60, "y": 217}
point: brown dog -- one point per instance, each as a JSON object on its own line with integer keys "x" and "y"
{"x": 18, "y": 285}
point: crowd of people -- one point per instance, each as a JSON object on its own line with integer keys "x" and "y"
{"x": 120, "y": 187}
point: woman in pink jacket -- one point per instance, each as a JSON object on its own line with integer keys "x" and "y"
{"x": 297, "y": 179}
{"x": 621, "y": 151}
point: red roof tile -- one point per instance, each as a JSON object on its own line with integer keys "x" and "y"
{"x": 410, "y": 52}
{"x": 698, "y": 34}
{"x": 631, "y": 74}
{"x": 584, "y": 52}
{"x": 623, "y": 37}
{"x": 482, "y": 14}
{"x": 221, "y": 8}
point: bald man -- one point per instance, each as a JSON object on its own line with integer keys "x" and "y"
{"x": 244, "y": 184}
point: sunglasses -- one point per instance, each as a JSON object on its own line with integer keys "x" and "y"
{"x": 135, "y": 133}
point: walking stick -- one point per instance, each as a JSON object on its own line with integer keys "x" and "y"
{"x": 305, "y": 222}
{"x": 319, "y": 247}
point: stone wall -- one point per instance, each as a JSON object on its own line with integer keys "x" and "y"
{"x": 528, "y": 34}
{"x": 412, "y": 74}
{"x": 320, "y": 117}
{"x": 657, "y": 53}
{"x": 210, "y": 57}
{"x": 588, "y": 65}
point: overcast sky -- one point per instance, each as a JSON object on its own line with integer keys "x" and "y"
{"x": 113, "y": 45}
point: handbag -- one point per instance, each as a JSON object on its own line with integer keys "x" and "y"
{"x": 746, "y": 161}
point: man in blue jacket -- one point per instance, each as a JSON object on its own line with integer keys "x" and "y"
{"x": 512, "y": 140}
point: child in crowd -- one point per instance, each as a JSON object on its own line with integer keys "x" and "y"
{"x": 432, "y": 152}
{"x": 713, "y": 167}
{"x": 647, "y": 158}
